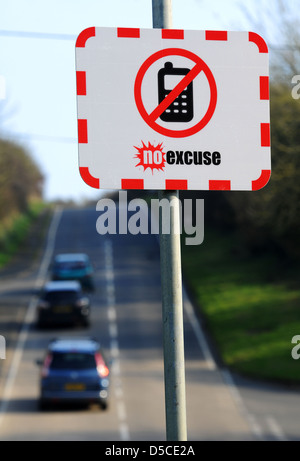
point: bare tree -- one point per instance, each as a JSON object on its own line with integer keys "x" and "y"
{"x": 278, "y": 22}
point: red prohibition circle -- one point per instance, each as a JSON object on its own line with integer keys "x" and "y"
{"x": 200, "y": 66}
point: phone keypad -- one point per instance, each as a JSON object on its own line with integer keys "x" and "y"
{"x": 181, "y": 109}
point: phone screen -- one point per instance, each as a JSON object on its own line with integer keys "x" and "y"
{"x": 172, "y": 80}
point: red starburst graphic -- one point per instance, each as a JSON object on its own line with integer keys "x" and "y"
{"x": 151, "y": 156}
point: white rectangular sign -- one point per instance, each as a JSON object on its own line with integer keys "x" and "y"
{"x": 173, "y": 109}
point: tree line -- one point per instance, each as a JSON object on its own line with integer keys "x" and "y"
{"x": 270, "y": 217}
{"x": 20, "y": 179}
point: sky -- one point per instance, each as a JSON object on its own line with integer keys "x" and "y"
{"x": 38, "y": 76}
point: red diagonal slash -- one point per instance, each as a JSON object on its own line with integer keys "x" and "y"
{"x": 175, "y": 92}
{"x": 151, "y": 118}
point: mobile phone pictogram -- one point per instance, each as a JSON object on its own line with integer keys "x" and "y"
{"x": 182, "y": 108}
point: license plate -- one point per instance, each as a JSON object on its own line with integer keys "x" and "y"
{"x": 74, "y": 387}
{"x": 62, "y": 309}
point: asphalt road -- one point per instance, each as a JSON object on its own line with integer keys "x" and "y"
{"x": 126, "y": 318}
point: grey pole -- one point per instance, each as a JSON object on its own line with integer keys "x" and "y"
{"x": 172, "y": 306}
{"x": 162, "y": 14}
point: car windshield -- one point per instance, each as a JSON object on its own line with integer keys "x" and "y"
{"x": 70, "y": 265}
{"x": 72, "y": 361}
{"x": 61, "y": 295}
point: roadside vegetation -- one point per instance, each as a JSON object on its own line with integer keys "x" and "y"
{"x": 21, "y": 203}
{"x": 245, "y": 276}
{"x": 15, "y": 231}
{"x": 249, "y": 304}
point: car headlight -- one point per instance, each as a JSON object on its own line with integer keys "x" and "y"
{"x": 83, "y": 302}
{"x": 43, "y": 305}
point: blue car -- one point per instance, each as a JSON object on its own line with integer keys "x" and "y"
{"x": 74, "y": 266}
{"x": 74, "y": 371}
{"x": 63, "y": 303}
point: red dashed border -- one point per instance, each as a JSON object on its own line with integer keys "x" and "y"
{"x": 84, "y": 36}
{"x": 216, "y": 35}
{"x": 128, "y": 32}
{"x": 217, "y": 184}
{"x": 173, "y": 184}
{"x": 177, "y": 34}
{"x": 88, "y": 178}
{"x": 264, "y": 87}
{"x": 259, "y": 41}
{"x": 132, "y": 183}
{"x": 81, "y": 83}
{"x": 265, "y": 134}
{"x": 262, "y": 180}
{"x": 82, "y": 131}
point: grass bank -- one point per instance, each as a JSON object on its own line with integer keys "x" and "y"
{"x": 251, "y": 305}
{"x": 15, "y": 230}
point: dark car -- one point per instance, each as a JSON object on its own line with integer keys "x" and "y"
{"x": 74, "y": 266}
{"x": 74, "y": 370}
{"x": 63, "y": 302}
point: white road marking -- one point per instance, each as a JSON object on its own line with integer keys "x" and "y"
{"x": 254, "y": 426}
{"x": 198, "y": 333}
{"x": 256, "y": 429}
{"x": 114, "y": 345}
{"x": 16, "y": 359}
{"x": 275, "y": 429}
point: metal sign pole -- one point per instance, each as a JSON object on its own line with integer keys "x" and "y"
{"x": 172, "y": 306}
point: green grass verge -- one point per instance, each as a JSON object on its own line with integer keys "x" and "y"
{"x": 14, "y": 232}
{"x": 251, "y": 305}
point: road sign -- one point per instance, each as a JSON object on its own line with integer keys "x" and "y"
{"x": 173, "y": 109}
